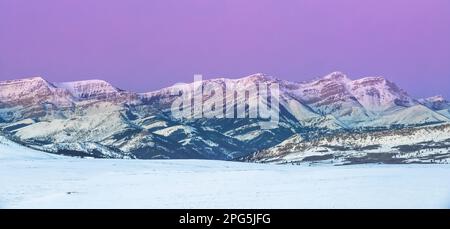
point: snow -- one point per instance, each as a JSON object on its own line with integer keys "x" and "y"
{"x": 417, "y": 114}
{"x": 87, "y": 88}
{"x": 25, "y": 122}
{"x": 437, "y": 98}
{"x": 17, "y": 88}
{"x": 445, "y": 113}
{"x": 249, "y": 136}
{"x": 377, "y": 94}
{"x": 32, "y": 91}
{"x": 31, "y": 179}
{"x": 170, "y": 130}
{"x": 96, "y": 123}
{"x": 155, "y": 124}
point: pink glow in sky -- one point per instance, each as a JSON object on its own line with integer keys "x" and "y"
{"x": 143, "y": 45}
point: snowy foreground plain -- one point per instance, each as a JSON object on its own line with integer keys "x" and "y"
{"x": 31, "y": 179}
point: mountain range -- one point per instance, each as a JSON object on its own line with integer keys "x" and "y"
{"x": 332, "y": 119}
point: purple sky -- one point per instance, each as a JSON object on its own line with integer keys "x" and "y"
{"x": 143, "y": 45}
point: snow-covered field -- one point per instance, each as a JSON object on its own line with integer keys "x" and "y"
{"x": 31, "y": 179}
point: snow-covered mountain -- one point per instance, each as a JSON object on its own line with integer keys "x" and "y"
{"x": 377, "y": 94}
{"x": 93, "y": 118}
{"x": 89, "y": 89}
{"x": 438, "y": 104}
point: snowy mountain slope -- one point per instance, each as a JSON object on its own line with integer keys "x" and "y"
{"x": 34, "y": 179}
{"x": 445, "y": 112}
{"x": 435, "y": 103}
{"x": 438, "y": 104}
{"x": 10, "y": 150}
{"x": 94, "y": 118}
{"x": 31, "y": 97}
{"x": 89, "y": 88}
{"x": 330, "y": 95}
{"x": 34, "y": 89}
{"x": 377, "y": 94}
{"x": 407, "y": 145}
{"x": 409, "y": 116}
{"x": 244, "y": 132}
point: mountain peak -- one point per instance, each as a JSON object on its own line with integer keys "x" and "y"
{"x": 437, "y": 98}
{"x": 14, "y": 89}
{"x": 32, "y": 79}
{"x": 376, "y": 93}
{"x": 437, "y": 102}
{"x": 336, "y": 76}
{"x": 376, "y": 81}
{"x": 88, "y": 88}
{"x": 259, "y": 77}
{"x": 372, "y": 78}
{"x": 87, "y": 82}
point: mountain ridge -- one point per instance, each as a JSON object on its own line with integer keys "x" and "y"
{"x": 96, "y": 119}
{"x": 263, "y": 76}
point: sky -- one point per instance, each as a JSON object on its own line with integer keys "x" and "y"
{"x": 143, "y": 45}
